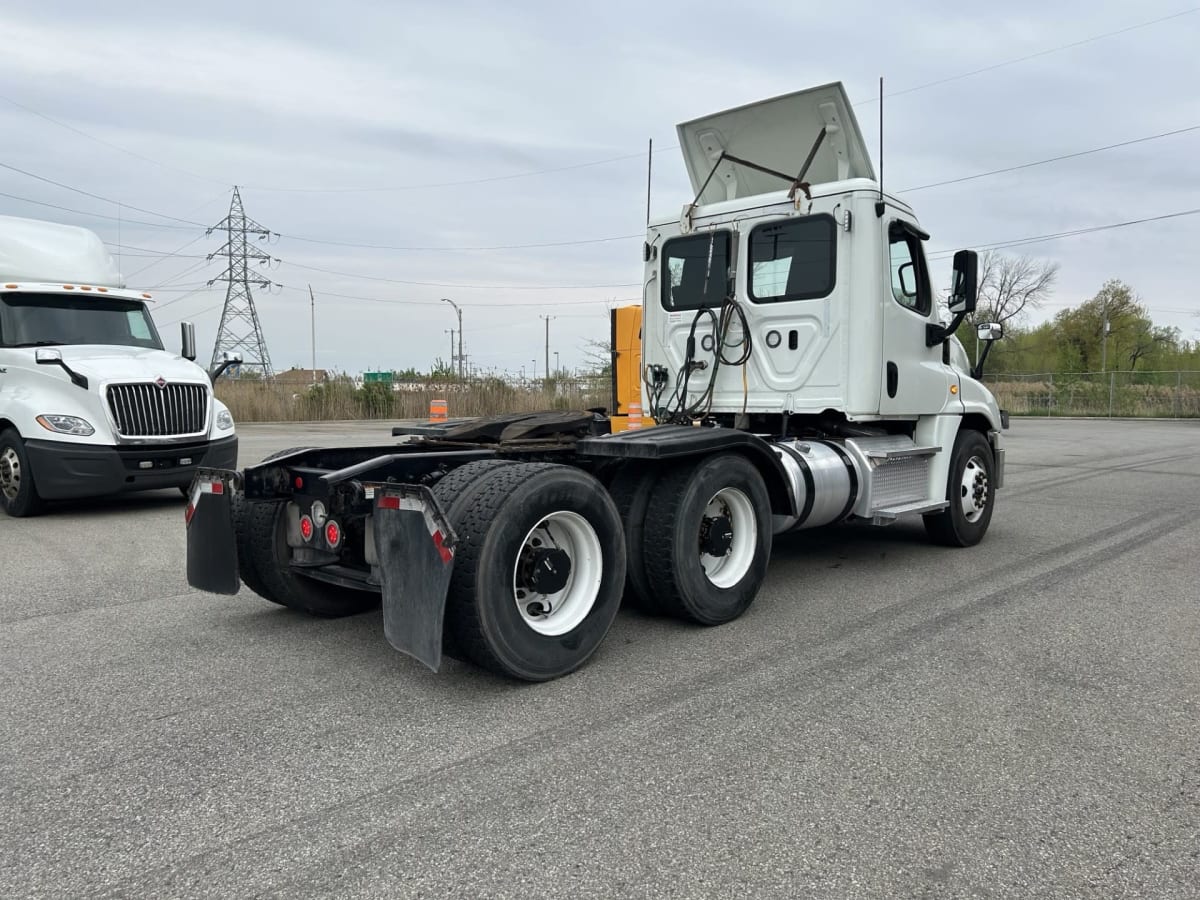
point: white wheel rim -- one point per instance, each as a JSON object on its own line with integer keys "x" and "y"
{"x": 974, "y": 492}
{"x": 727, "y": 570}
{"x": 564, "y": 610}
{"x": 10, "y": 473}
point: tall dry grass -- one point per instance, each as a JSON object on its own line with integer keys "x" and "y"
{"x": 265, "y": 401}
{"x": 1124, "y": 396}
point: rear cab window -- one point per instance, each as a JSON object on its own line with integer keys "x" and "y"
{"x": 696, "y": 271}
{"x": 793, "y": 259}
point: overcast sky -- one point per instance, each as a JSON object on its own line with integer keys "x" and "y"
{"x": 359, "y": 123}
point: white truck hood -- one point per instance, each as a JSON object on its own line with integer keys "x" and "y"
{"x": 778, "y": 134}
{"x": 116, "y": 364}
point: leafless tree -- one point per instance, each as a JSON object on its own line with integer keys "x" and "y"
{"x": 1011, "y": 285}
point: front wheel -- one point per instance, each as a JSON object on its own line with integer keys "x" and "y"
{"x": 18, "y": 493}
{"x": 971, "y": 492}
{"x": 708, "y": 539}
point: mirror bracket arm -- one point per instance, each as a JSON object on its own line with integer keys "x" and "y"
{"x": 939, "y": 334}
{"x": 977, "y": 372}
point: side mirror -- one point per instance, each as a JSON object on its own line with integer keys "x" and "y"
{"x": 904, "y": 273}
{"x": 227, "y": 360}
{"x": 964, "y": 293}
{"x": 187, "y": 341}
{"x": 52, "y": 356}
{"x": 990, "y": 331}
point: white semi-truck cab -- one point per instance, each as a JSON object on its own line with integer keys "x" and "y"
{"x": 91, "y": 403}
{"x": 793, "y": 297}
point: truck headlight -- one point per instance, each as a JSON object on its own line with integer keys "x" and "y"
{"x": 224, "y": 420}
{"x": 66, "y": 425}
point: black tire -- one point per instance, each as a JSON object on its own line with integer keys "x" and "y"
{"x": 951, "y": 527}
{"x": 247, "y": 567}
{"x": 672, "y": 533}
{"x": 247, "y": 570}
{"x": 452, "y": 485}
{"x": 263, "y": 555}
{"x": 18, "y": 490}
{"x": 630, "y": 489}
{"x": 491, "y": 519}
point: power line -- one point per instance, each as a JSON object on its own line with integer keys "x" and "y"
{"x": 92, "y": 137}
{"x": 575, "y": 166}
{"x": 466, "y": 304}
{"x": 1040, "y": 53}
{"x": 76, "y": 190}
{"x": 95, "y": 215}
{"x": 1042, "y": 238}
{"x": 490, "y": 287}
{"x": 602, "y": 240}
{"x": 165, "y": 256}
{"x": 1053, "y": 159}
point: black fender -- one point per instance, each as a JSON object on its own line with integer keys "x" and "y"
{"x": 667, "y": 442}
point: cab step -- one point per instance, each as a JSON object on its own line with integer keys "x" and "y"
{"x": 886, "y": 515}
{"x": 902, "y": 453}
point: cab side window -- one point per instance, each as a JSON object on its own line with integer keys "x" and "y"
{"x": 909, "y": 274}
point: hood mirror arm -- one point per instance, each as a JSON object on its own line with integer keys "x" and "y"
{"x": 54, "y": 358}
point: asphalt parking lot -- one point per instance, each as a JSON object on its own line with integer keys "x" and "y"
{"x": 889, "y": 719}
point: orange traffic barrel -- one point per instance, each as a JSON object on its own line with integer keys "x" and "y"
{"x": 635, "y": 416}
{"x": 437, "y": 411}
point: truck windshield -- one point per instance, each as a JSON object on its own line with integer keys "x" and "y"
{"x": 31, "y": 320}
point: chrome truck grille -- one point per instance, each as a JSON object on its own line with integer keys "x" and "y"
{"x": 147, "y": 410}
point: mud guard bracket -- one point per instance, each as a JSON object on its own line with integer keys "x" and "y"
{"x": 211, "y": 547}
{"x": 414, "y": 544}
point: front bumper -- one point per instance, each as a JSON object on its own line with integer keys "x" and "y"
{"x": 69, "y": 471}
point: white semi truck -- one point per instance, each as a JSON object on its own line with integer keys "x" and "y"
{"x": 91, "y": 403}
{"x": 796, "y": 371}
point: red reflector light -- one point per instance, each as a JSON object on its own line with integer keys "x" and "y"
{"x": 389, "y": 501}
{"x": 299, "y": 482}
{"x": 306, "y": 528}
{"x": 333, "y": 533}
{"x": 218, "y": 487}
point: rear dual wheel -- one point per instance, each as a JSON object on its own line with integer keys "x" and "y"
{"x": 707, "y": 539}
{"x": 539, "y": 567}
{"x": 264, "y": 561}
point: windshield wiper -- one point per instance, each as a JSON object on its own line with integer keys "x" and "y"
{"x": 38, "y": 344}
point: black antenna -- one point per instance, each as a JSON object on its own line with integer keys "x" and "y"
{"x": 649, "y": 168}
{"x": 879, "y": 205}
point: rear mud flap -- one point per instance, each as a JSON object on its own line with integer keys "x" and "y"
{"x": 211, "y": 547}
{"x": 415, "y": 547}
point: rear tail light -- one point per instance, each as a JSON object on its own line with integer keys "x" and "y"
{"x": 306, "y": 528}
{"x": 333, "y": 533}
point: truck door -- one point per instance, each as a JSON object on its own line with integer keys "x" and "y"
{"x": 915, "y": 380}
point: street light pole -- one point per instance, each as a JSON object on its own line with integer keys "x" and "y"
{"x": 548, "y": 318}
{"x": 460, "y": 352}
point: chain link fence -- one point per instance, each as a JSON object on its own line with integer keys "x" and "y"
{"x": 1165, "y": 395}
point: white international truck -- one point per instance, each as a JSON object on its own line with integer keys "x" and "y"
{"x": 796, "y": 373}
{"x": 91, "y": 403}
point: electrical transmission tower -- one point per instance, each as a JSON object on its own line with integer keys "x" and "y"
{"x": 240, "y": 330}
